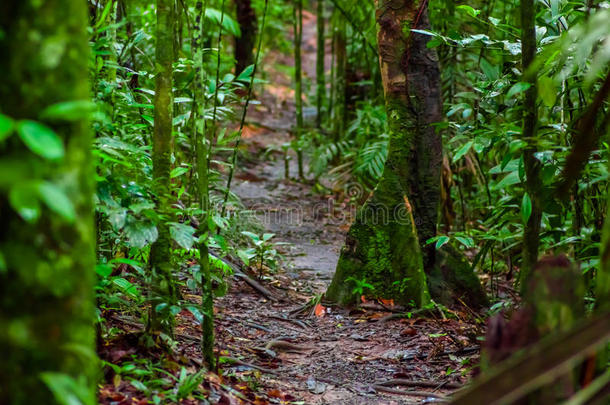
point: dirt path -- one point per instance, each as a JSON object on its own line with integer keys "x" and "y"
{"x": 333, "y": 356}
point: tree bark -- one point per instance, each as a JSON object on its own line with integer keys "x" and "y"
{"x": 320, "y": 70}
{"x": 298, "y": 78}
{"x": 47, "y": 250}
{"x": 163, "y": 289}
{"x": 533, "y": 183}
{"x": 382, "y": 246}
{"x": 340, "y": 76}
{"x": 203, "y": 189}
{"x": 244, "y": 45}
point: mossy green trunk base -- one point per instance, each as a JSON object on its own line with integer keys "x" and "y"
{"x": 382, "y": 250}
{"x": 452, "y": 281}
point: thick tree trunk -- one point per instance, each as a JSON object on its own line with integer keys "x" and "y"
{"x": 320, "y": 70}
{"x": 244, "y": 45}
{"x": 386, "y": 245}
{"x": 382, "y": 246}
{"x": 47, "y": 245}
{"x": 163, "y": 289}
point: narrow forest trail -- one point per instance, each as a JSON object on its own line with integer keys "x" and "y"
{"x": 333, "y": 356}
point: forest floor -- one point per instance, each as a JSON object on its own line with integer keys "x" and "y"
{"x": 275, "y": 354}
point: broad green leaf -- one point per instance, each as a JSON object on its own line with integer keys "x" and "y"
{"x": 547, "y": 91}
{"x": 462, "y": 151}
{"x": 24, "y": 200}
{"x": 55, "y": 198}
{"x": 103, "y": 270}
{"x": 442, "y": 241}
{"x": 509, "y": 180}
{"x": 68, "y": 111}
{"x": 251, "y": 235}
{"x": 6, "y": 127}
{"x": 40, "y": 139}
{"x": 246, "y": 74}
{"x": 141, "y": 233}
{"x": 518, "y": 88}
{"x": 127, "y": 287}
{"x": 178, "y": 171}
{"x": 182, "y": 234}
{"x": 526, "y": 208}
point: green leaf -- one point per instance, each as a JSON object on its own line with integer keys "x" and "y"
{"x": 182, "y": 234}
{"x": 178, "y": 171}
{"x": 3, "y": 266}
{"x": 103, "y": 270}
{"x": 509, "y": 180}
{"x": 141, "y": 233}
{"x": 246, "y": 74}
{"x": 68, "y": 390}
{"x": 462, "y": 151}
{"x": 55, "y": 198}
{"x": 24, "y": 200}
{"x": 442, "y": 241}
{"x": 245, "y": 256}
{"x": 491, "y": 72}
{"x": 68, "y": 110}
{"x": 6, "y": 127}
{"x": 518, "y": 88}
{"x": 253, "y": 236}
{"x": 547, "y": 91}
{"x": 127, "y": 287}
{"x": 40, "y": 139}
{"x": 526, "y": 208}
{"x": 469, "y": 10}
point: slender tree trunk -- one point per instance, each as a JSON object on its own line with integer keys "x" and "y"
{"x": 163, "y": 289}
{"x": 340, "y": 79}
{"x": 533, "y": 184}
{"x": 320, "y": 70}
{"x": 47, "y": 237}
{"x": 298, "y": 78}
{"x": 244, "y": 45}
{"x": 203, "y": 192}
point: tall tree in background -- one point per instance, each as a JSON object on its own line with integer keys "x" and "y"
{"x": 203, "y": 189}
{"x": 382, "y": 246}
{"x": 298, "y": 78}
{"x": 163, "y": 289}
{"x": 46, "y": 208}
{"x": 533, "y": 183}
{"x": 340, "y": 80}
{"x": 244, "y": 45}
{"x": 320, "y": 68}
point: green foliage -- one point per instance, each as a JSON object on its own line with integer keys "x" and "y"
{"x": 262, "y": 254}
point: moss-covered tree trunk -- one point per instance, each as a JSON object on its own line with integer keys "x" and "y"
{"x": 382, "y": 246}
{"x": 47, "y": 239}
{"x": 203, "y": 192}
{"x": 163, "y": 289}
{"x": 320, "y": 69}
{"x": 244, "y": 45}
